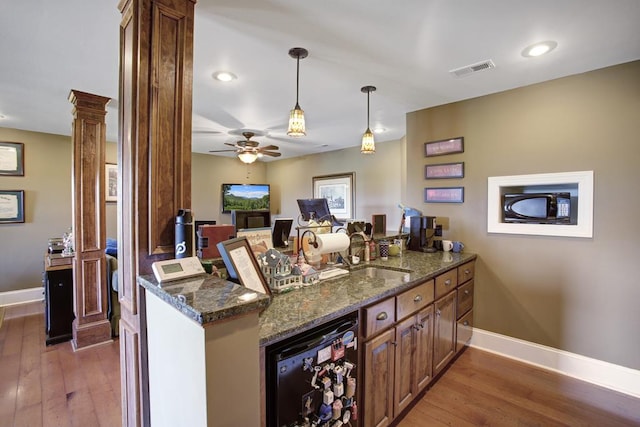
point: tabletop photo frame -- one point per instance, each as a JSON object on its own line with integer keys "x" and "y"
{"x": 12, "y": 158}
{"x": 242, "y": 264}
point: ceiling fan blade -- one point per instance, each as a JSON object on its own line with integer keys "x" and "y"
{"x": 270, "y": 147}
{"x": 271, "y": 153}
{"x": 229, "y": 144}
{"x": 221, "y": 151}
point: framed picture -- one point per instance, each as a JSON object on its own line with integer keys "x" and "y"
{"x": 444, "y": 195}
{"x": 12, "y": 158}
{"x": 445, "y": 146}
{"x": 339, "y": 190}
{"x": 444, "y": 170}
{"x": 111, "y": 182}
{"x": 259, "y": 239}
{"x": 11, "y": 206}
{"x": 242, "y": 264}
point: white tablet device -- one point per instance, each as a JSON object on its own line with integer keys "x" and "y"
{"x": 174, "y": 269}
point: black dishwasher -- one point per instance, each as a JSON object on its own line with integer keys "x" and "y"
{"x": 311, "y": 378}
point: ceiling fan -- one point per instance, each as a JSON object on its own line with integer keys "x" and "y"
{"x": 248, "y": 150}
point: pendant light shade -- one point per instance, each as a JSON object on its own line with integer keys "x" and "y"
{"x": 368, "y": 144}
{"x": 296, "y": 116}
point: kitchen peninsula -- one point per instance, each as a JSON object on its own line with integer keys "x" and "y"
{"x": 415, "y": 316}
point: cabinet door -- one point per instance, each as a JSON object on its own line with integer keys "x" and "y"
{"x": 424, "y": 348}
{"x": 59, "y": 305}
{"x": 404, "y": 366}
{"x": 444, "y": 340}
{"x": 378, "y": 380}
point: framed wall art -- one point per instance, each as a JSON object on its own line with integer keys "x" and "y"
{"x": 445, "y": 146}
{"x": 11, "y": 206}
{"x": 12, "y": 158}
{"x": 444, "y": 195}
{"x": 339, "y": 190}
{"x": 111, "y": 182}
{"x": 444, "y": 170}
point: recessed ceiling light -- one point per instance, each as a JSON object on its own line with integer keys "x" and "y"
{"x": 379, "y": 130}
{"x": 539, "y": 49}
{"x": 224, "y": 76}
{"x": 2, "y": 117}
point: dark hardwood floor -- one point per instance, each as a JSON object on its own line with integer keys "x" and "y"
{"x": 55, "y": 386}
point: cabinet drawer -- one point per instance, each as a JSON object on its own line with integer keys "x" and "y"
{"x": 446, "y": 282}
{"x": 464, "y": 330}
{"x": 465, "y": 298}
{"x": 466, "y": 272}
{"x": 414, "y": 299}
{"x": 379, "y": 316}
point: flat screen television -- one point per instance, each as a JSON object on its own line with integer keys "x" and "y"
{"x": 316, "y": 209}
{"x": 245, "y": 197}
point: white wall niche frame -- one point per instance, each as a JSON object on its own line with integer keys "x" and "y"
{"x": 584, "y": 226}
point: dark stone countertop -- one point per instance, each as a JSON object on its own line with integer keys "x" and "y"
{"x": 206, "y": 298}
{"x": 302, "y": 309}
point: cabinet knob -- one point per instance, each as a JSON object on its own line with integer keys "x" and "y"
{"x": 417, "y": 298}
{"x": 438, "y": 313}
{"x": 447, "y": 282}
{"x": 465, "y": 323}
{"x": 466, "y": 291}
{"x": 382, "y": 316}
{"x": 467, "y": 271}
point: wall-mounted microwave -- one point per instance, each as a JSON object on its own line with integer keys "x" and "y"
{"x": 537, "y": 208}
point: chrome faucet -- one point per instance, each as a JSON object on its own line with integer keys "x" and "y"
{"x": 365, "y": 239}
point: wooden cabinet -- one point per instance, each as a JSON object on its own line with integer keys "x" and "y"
{"x": 464, "y": 305}
{"x": 410, "y": 338}
{"x": 379, "y": 355}
{"x": 58, "y": 308}
{"x": 397, "y": 362}
{"x": 444, "y": 331}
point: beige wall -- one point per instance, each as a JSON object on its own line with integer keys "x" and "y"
{"x": 47, "y": 206}
{"x": 575, "y": 294}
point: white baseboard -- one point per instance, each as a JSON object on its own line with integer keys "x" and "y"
{"x": 21, "y": 296}
{"x": 605, "y": 374}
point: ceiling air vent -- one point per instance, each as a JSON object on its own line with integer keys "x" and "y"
{"x": 473, "y": 68}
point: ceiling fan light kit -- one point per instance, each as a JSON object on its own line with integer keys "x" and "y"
{"x": 248, "y": 150}
{"x": 368, "y": 143}
{"x": 296, "y": 116}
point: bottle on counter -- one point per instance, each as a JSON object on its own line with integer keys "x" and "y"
{"x": 372, "y": 250}
{"x": 367, "y": 253}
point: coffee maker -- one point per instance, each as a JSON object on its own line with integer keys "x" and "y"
{"x": 421, "y": 232}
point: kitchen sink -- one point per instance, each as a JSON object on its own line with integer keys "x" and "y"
{"x": 379, "y": 272}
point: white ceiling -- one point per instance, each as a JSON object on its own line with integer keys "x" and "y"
{"x": 405, "y": 48}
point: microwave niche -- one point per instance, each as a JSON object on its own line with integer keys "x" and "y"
{"x": 537, "y": 208}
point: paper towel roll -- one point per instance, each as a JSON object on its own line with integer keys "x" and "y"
{"x": 333, "y": 242}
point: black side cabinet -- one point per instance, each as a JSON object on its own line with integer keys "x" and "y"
{"x": 58, "y": 297}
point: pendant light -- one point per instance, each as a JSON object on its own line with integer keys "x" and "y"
{"x": 296, "y": 116}
{"x": 368, "y": 144}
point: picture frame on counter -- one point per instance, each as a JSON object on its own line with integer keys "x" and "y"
{"x": 444, "y": 170}
{"x": 444, "y": 146}
{"x": 444, "y": 195}
{"x": 339, "y": 190}
{"x": 111, "y": 182}
{"x": 11, "y": 206}
{"x": 12, "y": 158}
{"x": 242, "y": 264}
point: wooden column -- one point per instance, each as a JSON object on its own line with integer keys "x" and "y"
{"x": 154, "y": 165}
{"x": 90, "y": 293}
